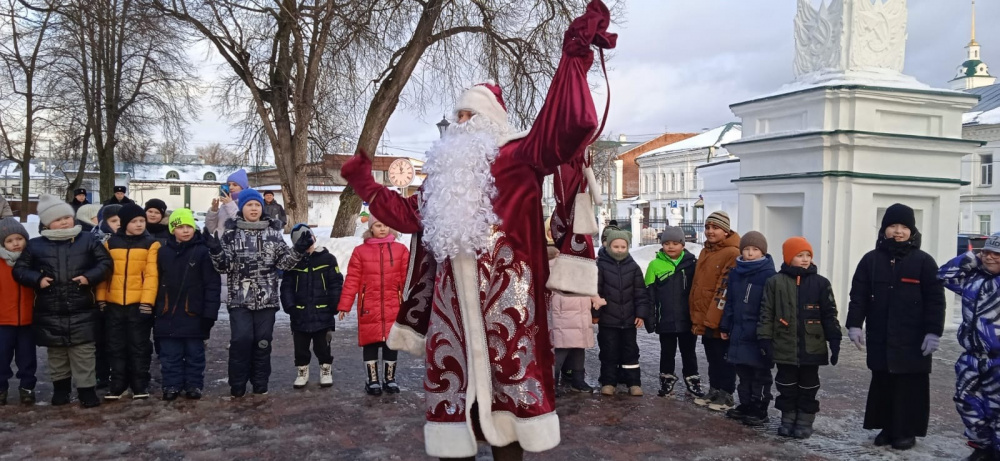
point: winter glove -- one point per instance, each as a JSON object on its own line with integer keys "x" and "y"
{"x": 766, "y": 349}
{"x": 213, "y": 243}
{"x": 146, "y": 309}
{"x": 305, "y": 241}
{"x": 358, "y": 173}
{"x": 931, "y": 344}
{"x": 857, "y": 337}
{"x": 834, "y": 351}
{"x": 206, "y": 327}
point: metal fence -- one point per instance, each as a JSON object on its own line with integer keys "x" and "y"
{"x": 649, "y": 234}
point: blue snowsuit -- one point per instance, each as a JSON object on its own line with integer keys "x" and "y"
{"x": 977, "y": 393}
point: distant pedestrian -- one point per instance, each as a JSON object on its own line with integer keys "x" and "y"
{"x": 376, "y": 275}
{"x": 17, "y": 343}
{"x": 274, "y": 209}
{"x": 310, "y": 293}
{"x": 897, "y": 296}
{"x": 119, "y": 197}
{"x": 79, "y": 199}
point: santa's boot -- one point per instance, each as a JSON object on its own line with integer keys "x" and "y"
{"x": 389, "y": 385}
{"x": 372, "y": 386}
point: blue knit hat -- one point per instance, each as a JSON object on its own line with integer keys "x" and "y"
{"x": 249, "y": 195}
{"x": 240, "y": 177}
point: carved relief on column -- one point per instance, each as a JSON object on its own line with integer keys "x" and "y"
{"x": 878, "y": 38}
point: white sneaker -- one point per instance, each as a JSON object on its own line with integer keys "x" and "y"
{"x": 326, "y": 375}
{"x": 303, "y": 377}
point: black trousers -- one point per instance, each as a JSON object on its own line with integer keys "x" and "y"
{"x": 669, "y": 343}
{"x": 797, "y": 388}
{"x": 755, "y": 385}
{"x": 619, "y": 353}
{"x": 102, "y": 365}
{"x": 250, "y": 347}
{"x": 899, "y": 403}
{"x": 129, "y": 350}
{"x": 370, "y": 352}
{"x": 721, "y": 373}
{"x": 302, "y": 340}
{"x": 572, "y": 359}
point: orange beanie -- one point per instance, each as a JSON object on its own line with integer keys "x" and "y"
{"x": 793, "y": 247}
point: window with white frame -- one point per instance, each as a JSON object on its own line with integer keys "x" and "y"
{"x": 985, "y": 222}
{"x": 663, "y": 182}
{"x": 683, "y": 185}
{"x": 986, "y": 170}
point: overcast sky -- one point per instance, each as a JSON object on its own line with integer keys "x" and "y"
{"x": 680, "y": 64}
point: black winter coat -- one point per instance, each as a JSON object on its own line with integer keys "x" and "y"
{"x": 670, "y": 313}
{"x": 621, "y": 284}
{"x": 310, "y": 292}
{"x": 114, "y": 201}
{"x": 188, "y": 298}
{"x": 741, "y": 314}
{"x": 65, "y": 314}
{"x": 160, "y": 232}
{"x": 898, "y": 298}
{"x": 76, "y": 204}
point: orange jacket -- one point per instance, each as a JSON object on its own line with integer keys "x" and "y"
{"x": 708, "y": 287}
{"x": 16, "y": 300}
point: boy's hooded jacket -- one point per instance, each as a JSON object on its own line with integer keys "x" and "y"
{"x": 310, "y": 291}
{"x": 708, "y": 288}
{"x": 188, "y": 298}
{"x": 669, "y": 285}
{"x": 799, "y": 315}
{"x": 621, "y": 284}
{"x": 135, "y": 275}
{"x": 252, "y": 253}
{"x": 744, "y": 297}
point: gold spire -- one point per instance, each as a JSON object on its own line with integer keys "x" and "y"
{"x": 973, "y": 41}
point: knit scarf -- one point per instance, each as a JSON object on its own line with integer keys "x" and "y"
{"x": 247, "y": 225}
{"x": 9, "y": 256}
{"x": 387, "y": 239}
{"x": 61, "y": 234}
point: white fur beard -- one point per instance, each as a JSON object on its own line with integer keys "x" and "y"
{"x": 457, "y": 212}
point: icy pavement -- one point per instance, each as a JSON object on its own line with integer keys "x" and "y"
{"x": 343, "y": 423}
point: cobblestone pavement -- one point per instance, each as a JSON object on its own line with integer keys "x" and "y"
{"x": 343, "y": 423}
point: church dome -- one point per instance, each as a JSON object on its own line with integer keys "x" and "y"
{"x": 973, "y": 68}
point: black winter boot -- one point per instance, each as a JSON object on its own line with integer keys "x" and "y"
{"x": 667, "y": 382}
{"x": 60, "y": 391}
{"x": 693, "y": 384}
{"x": 27, "y": 396}
{"x": 757, "y": 416}
{"x": 88, "y": 397}
{"x": 740, "y": 412}
{"x": 3, "y": 398}
{"x": 981, "y": 453}
{"x": 787, "y": 427}
{"x": 804, "y": 425}
{"x": 389, "y": 385}
{"x": 372, "y": 386}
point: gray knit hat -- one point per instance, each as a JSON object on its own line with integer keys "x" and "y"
{"x": 88, "y": 212}
{"x": 753, "y": 239}
{"x": 11, "y": 226}
{"x": 615, "y": 234}
{"x": 51, "y": 208}
{"x": 672, "y": 234}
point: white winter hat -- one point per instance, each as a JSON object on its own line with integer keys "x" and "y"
{"x": 51, "y": 208}
{"x": 487, "y": 100}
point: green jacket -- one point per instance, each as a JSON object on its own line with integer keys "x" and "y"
{"x": 662, "y": 267}
{"x": 799, "y": 315}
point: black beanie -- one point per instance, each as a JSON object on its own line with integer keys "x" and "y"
{"x": 129, "y": 212}
{"x": 158, "y": 204}
{"x": 899, "y": 214}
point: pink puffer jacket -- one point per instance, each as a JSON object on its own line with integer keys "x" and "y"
{"x": 571, "y": 325}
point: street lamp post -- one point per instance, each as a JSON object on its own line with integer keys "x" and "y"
{"x": 443, "y": 125}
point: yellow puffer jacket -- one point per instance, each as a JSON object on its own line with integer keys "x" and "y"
{"x": 135, "y": 277}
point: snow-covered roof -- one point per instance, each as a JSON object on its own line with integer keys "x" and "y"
{"x": 987, "y": 112}
{"x": 182, "y": 172}
{"x": 10, "y": 169}
{"x": 277, "y": 188}
{"x": 715, "y": 137}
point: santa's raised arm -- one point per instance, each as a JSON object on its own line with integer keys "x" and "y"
{"x": 475, "y": 300}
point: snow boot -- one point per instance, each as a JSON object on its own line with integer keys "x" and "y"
{"x": 371, "y": 385}
{"x": 787, "y": 426}
{"x": 27, "y": 396}
{"x": 693, "y": 384}
{"x": 88, "y": 397}
{"x": 302, "y": 378}
{"x": 904, "y": 443}
{"x": 757, "y": 414}
{"x": 608, "y": 390}
{"x": 981, "y": 453}
{"x": 194, "y": 393}
{"x": 237, "y": 391}
{"x": 635, "y": 391}
{"x": 389, "y": 385}
{"x": 667, "y": 382}
{"x": 60, "y": 391}
{"x": 723, "y": 401}
{"x": 883, "y": 438}
{"x": 739, "y": 413}
{"x": 326, "y": 375}
{"x": 116, "y": 392}
{"x": 804, "y": 425}
{"x": 169, "y": 395}
{"x": 707, "y": 398}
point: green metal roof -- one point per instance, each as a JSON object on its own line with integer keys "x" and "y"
{"x": 971, "y": 67}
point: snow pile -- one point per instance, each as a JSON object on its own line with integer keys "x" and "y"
{"x": 990, "y": 117}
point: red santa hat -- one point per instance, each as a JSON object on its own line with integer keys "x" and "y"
{"x": 485, "y": 99}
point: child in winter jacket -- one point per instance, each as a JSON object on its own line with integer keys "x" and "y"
{"x": 798, "y": 318}
{"x": 739, "y": 325}
{"x": 668, "y": 278}
{"x": 226, "y": 207}
{"x": 707, "y": 301}
{"x": 376, "y": 276}
{"x": 127, "y": 299}
{"x": 156, "y": 220}
{"x": 250, "y": 253}
{"x": 108, "y": 222}
{"x": 62, "y": 265}
{"x": 572, "y": 330}
{"x": 625, "y": 302}
{"x": 897, "y": 295}
{"x": 975, "y": 277}
{"x": 187, "y": 306}
{"x": 309, "y": 295}
{"x": 16, "y": 340}
{"x": 86, "y": 217}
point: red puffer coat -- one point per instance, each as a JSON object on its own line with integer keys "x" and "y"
{"x": 376, "y": 275}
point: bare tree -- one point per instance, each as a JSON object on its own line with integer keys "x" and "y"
{"x": 135, "y": 150}
{"x": 170, "y": 152}
{"x": 215, "y": 154}
{"x": 23, "y": 86}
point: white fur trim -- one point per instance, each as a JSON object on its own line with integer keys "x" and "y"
{"x": 513, "y": 137}
{"x": 535, "y": 434}
{"x": 403, "y": 338}
{"x": 449, "y": 440}
{"x": 480, "y": 100}
{"x": 573, "y": 276}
